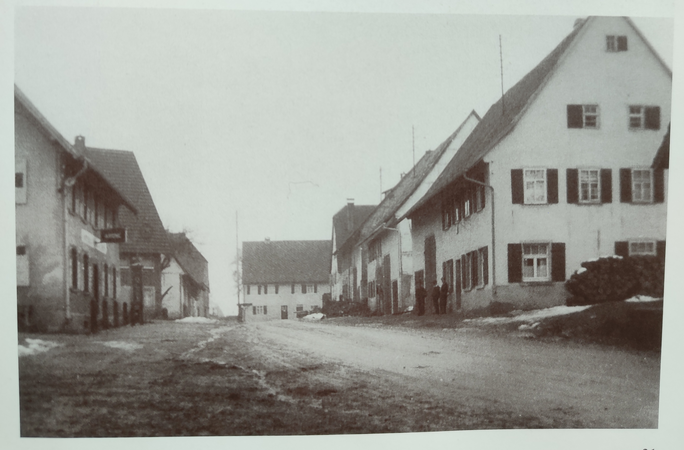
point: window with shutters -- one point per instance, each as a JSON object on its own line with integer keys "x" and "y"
{"x": 616, "y": 43}
{"x": 535, "y": 186}
{"x": 247, "y": 289}
{"x": 481, "y": 266}
{"x": 642, "y": 247}
{"x": 583, "y": 116}
{"x": 256, "y": 310}
{"x": 276, "y": 288}
{"x": 468, "y": 271}
{"x": 589, "y": 186}
{"x": 642, "y": 185}
{"x": 466, "y": 206}
{"x": 74, "y": 267}
{"x": 536, "y": 259}
{"x": 644, "y": 117}
{"x": 86, "y": 277}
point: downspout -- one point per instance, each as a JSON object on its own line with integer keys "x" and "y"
{"x": 401, "y": 269}
{"x": 465, "y": 177}
{"x": 68, "y": 182}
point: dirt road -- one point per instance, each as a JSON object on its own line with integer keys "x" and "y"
{"x": 290, "y": 377}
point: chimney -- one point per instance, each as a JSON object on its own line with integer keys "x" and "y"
{"x": 350, "y": 214}
{"x": 79, "y": 143}
{"x": 267, "y": 240}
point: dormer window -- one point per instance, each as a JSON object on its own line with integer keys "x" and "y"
{"x": 616, "y": 43}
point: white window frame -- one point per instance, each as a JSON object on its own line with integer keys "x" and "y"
{"x": 637, "y": 112}
{"x": 590, "y": 190}
{"x": 309, "y": 289}
{"x": 638, "y": 247}
{"x": 480, "y": 267}
{"x": 637, "y": 186}
{"x": 467, "y": 206}
{"x": 589, "y": 112}
{"x": 536, "y": 257}
{"x": 611, "y": 43}
{"x": 468, "y": 284}
{"x": 527, "y": 178}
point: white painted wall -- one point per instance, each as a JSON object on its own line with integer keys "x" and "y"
{"x": 284, "y": 297}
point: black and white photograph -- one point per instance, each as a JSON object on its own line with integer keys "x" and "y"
{"x": 341, "y": 224}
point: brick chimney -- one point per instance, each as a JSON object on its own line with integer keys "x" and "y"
{"x": 79, "y": 143}
{"x": 350, "y": 214}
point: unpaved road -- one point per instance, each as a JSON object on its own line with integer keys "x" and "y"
{"x": 291, "y": 377}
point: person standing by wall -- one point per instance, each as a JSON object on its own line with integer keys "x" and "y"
{"x": 443, "y": 294}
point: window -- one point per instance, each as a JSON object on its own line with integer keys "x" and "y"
{"x": 466, "y": 206}
{"x": 265, "y": 289}
{"x": 642, "y": 185}
{"x": 479, "y": 198}
{"x": 583, "y": 116}
{"x": 115, "y": 281}
{"x": 482, "y": 267}
{"x": 644, "y": 117}
{"x": 74, "y": 268}
{"x": 106, "y": 280}
{"x": 20, "y": 181}
{"x": 86, "y": 275}
{"x": 642, "y": 248}
{"x": 259, "y": 289}
{"x": 276, "y": 288}
{"x": 258, "y": 310}
{"x": 536, "y": 262}
{"x": 247, "y": 287}
{"x": 307, "y": 288}
{"x": 374, "y": 250}
{"x": 589, "y": 186}
{"x": 300, "y": 308}
{"x": 22, "y": 266}
{"x": 535, "y": 186}
{"x": 616, "y": 43}
{"x": 467, "y": 271}
{"x": 293, "y": 288}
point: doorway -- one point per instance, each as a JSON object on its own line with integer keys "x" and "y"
{"x": 283, "y": 312}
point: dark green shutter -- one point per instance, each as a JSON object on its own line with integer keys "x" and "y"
{"x": 473, "y": 268}
{"x": 552, "y": 185}
{"x": 622, "y": 43}
{"x": 652, "y": 118}
{"x": 606, "y": 186}
{"x": 558, "y": 261}
{"x": 622, "y": 248}
{"x": 575, "y": 116}
{"x": 626, "y": 185}
{"x": 659, "y": 186}
{"x": 514, "y": 263}
{"x": 572, "y": 176}
{"x": 517, "y": 186}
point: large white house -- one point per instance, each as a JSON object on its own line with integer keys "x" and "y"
{"x": 556, "y": 173}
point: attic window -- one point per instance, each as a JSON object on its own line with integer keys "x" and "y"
{"x": 583, "y": 116}
{"x": 616, "y": 43}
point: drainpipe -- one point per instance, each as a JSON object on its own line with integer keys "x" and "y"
{"x": 68, "y": 182}
{"x": 401, "y": 269}
{"x": 465, "y": 177}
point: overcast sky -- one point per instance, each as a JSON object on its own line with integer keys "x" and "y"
{"x": 280, "y": 116}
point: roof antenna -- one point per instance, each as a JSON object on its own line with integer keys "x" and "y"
{"x": 503, "y": 106}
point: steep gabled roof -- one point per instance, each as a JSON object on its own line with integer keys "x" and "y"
{"x": 22, "y": 101}
{"x": 146, "y": 233}
{"x": 190, "y": 259}
{"x": 384, "y": 213}
{"x": 501, "y": 118}
{"x": 286, "y": 262}
{"x": 347, "y": 220}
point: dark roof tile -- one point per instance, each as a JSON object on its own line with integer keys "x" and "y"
{"x": 286, "y": 262}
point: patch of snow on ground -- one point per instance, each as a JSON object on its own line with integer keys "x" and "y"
{"x": 314, "y": 316}
{"x": 531, "y": 316}
{"x": 36, "y": 346}
{"x": 642, "y": 299}
{"x": 130, "y": 346}
{"x": 196, "y": 320}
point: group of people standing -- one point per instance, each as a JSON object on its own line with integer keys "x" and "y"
{"x": 437, "y": 294}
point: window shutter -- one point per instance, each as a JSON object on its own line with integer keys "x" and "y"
{"x": 514, "y": 263}
{"x": 558, "y": 261}
{"x": 473, "y": 268}
{"x": 463, "y": 271}
{"x": 652, "y": 118}
{"x": 444, "y": 217}
{"x": 254, "y": 310}
{"x": 659, "y": 186}
{"x": 485, "y": 266}
{"x": 265, "y": 310}
{"x": 660, "y": 249}
{"x": 606, "y": 186}
{"x": 293, "y": 288}
{"x": 626, "y": 185}
{"x": 622, "y": 43}
{"x": 20, "y": 181}
{"x": 622, "y": 248}
{"x": 575, "y": 118}
{"x": 517, "y": 187}
{"x": 315, "y": 289}
{"x": 552, "y": 186}
{"x": 303, "y": 288}
{"x": 572, "y": 185}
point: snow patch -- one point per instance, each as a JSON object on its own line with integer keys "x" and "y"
{"x": 36, "y": 346}
{"x": 196, "y": 320}
{"x": 642, "y": 299}
{"x": 581, "y": 270}
{"x": 531, "y": 316}
{"x": 314, "y": 316}
{"x": 130, "y": 346}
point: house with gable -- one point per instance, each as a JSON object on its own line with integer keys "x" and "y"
{"x": 185, "y": 280}
{"x": 342, "y": 273}
{"x": 143, "y": 253}
{"x": 556, "y": 173}
{"x": 67, "y": 279}
{"x": 283, "y": 278}
{"x": 383, "y": 247}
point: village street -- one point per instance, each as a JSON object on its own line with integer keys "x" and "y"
{"x": 293, "y": 377}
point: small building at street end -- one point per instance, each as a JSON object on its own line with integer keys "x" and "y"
{"x": 67, "y": 278}
{"x": 282, "y": 278}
